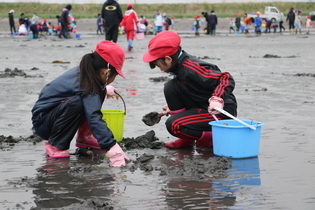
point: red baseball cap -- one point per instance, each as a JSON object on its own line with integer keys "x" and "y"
{"x": 165, "y": 43}
{"x": 113, "y": 54}
{"x": 130, "y": 5}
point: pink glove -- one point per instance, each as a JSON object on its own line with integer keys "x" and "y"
{"x": 166, "y": 110}
{"x": 116, "y": 156}
{"x": 110, "y": 92}
{"x": 215, "y": 101}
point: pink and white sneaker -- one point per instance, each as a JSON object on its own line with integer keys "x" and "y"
{"x": 54, "y": 152}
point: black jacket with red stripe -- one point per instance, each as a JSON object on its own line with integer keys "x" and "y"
{"x": 201, "y": 80}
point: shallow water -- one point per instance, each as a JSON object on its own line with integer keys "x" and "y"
{"x": 281, "y": 177}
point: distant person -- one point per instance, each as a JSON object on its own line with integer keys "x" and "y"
{"x": 231, "y": 26}
{"x": 298, "y": 23}
{"x": 248, "y": 23}
{"x": 65, "y": 22}
{"x": 75, "y": 99}
{"x": 35, "y": 30}
{"x": 195, "y": 90}
{"x": 21, "y": 19}
{"x": 27, "y": 24}
{"x": 34, "y": 25}
{"x": 308, "y": 24}
{"x": 143, "y": 20}
{"x": 213, "y": 21}
{"x": 58, "y": 27}
{"x": 291, "y": 19}
{"x": 257, "y": 23}
{"x": 238, "y": 23}
{"x": 281, "y": 19}
{"x": 268, "y": 26}
{"x": 23, "y": 29}
{"x": 173, "y": 23}
{"x": 112, "y": 16}
{"x": 11, "y": 22}
{"x": 158, "y": 22}
{"x": 206, "y": 16}
{"x": 35, "y": 19}
{"x": 197, "y": 25}
{"x": 45, "y": 26}
{"x": 99, "y": 24}
{"x": 167, "y": 22}
{"x": 130, "y": 24}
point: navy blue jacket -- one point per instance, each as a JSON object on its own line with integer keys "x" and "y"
{"x": 65, "y": 86}
{"x": 212, "y": 19}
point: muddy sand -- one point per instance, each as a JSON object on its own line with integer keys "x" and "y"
{"x": 274, "y": 77}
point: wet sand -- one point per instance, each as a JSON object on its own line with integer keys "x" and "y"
{"x": 276, "y": 89}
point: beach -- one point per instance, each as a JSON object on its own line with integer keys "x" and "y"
{"x": 274, "y": 75}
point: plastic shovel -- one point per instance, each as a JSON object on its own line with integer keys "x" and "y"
{"x": 234, "y": 118}
{"x": 153, "y": 118}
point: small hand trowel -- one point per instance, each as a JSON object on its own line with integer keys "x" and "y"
{"x": 153, "y": 118}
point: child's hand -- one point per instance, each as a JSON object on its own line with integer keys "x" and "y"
{"x": 110, "y": 92}
{"x": 215, "y": 101}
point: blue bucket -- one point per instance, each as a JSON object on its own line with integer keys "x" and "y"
{"x": 78, "y": 36}
{"x": 234, "y": 140}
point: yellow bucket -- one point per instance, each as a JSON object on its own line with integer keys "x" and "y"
{"x": 115, "y": 120}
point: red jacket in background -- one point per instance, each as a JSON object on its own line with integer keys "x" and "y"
{"x": 130, "y": 20}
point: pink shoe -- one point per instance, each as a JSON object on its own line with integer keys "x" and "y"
{"x": 205, "y": 140}
{"x": 54, "y": 152}
{"x": 87, "y": 142}
{"x": 179, "y": 143}
{"x": 85, "y": 138}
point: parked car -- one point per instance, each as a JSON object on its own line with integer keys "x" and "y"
{"x": 271, "y": 13}
{"x": 312, "y": 15}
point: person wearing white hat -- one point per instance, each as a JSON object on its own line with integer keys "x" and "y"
{"x": 11, "y": 22}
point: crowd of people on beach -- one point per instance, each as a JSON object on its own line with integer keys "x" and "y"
{"x": 35, "y": 26}
{"x": 135, "y": 27}
{"x": 259, "y": 25}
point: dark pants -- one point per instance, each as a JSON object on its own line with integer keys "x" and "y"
{"x": 267, "y": 30}
{"x": 291, "y": 24}
{"x": 208, "y": 28}
{"x": 34, "y": 30}
{"x": 190, "y": 123}
{"x": 61, "y": 123}
{"x": 64, "y": 31}
{"x": 197, "y": 31}
{"x": 99, "y": 29}
{"x": 257, "y": 30}
{"x": 212, "y": 29}
{"x": 281, "y": 26}
{"x": 111, "y": 33}
{"x": 12, "y": 28}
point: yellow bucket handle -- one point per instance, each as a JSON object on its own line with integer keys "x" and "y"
{"x": 122, "y": 101}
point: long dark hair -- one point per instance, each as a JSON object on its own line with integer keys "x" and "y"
{"x": 90, "y": 80}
